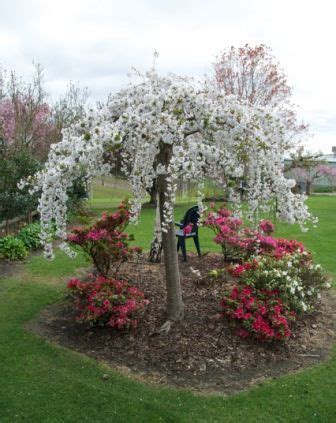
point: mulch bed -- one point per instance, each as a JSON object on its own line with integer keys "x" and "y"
{"x": 202, "y": 352}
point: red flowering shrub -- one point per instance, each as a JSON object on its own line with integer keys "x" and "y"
{"x": 237, "y": 270}
{"x": 105, "y": 242}
{"x": 107, "y": 302}
{"x": 258, "y": 313}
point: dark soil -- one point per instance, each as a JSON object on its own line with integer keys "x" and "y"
{"x": 202, "y": 352}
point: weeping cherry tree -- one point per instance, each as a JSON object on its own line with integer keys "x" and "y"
{"x": 167, "y": 127}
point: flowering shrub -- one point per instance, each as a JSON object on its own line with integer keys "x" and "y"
{"x": 274, "y": 286}
{"x": 238, "y": 241}
{"x": 105, "y": 242}
{"x": 297, "y": 280}
{"x": 228, "y": 232}
{"x": 259, "y": 313}
{"x": 107, "y": 302}
{"x": 288, "y": 246}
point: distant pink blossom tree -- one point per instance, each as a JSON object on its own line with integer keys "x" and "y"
{"x": 253, "y": 74}
{"x": 312, "y": 174}
{"x": 7, "y": 120}
{"x": 24, "y": 126}
{"x": 28, "y": 127}
{"x": 28, "y": 121}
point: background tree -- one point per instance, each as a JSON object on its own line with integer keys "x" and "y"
{"x": 25, "y": 130}
{"x": 14, "y": 202}
{"x": 309, "y": 168}
{"x": 254, "y": 75}
{"x": 28, "y": 126}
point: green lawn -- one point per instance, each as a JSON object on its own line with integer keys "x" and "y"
{"x": 41, "y": 382}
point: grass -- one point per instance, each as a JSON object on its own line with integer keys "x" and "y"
{"x": 42, "y": 382}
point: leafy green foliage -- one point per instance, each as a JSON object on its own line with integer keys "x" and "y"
{"x": 14, "y": 167}
{"x": 12, "y": 248}
{"x": 30, "y": 236}
{"x": 324, "y": 188}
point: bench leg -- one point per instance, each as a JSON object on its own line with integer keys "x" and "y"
{"x": 197, "y": 245}
{"x": 181, "y": 244}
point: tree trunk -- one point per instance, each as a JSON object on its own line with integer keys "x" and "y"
{"x": 156, "y": 245}
{"x": 175, "y": 306}
{"x": 308, "y": 188}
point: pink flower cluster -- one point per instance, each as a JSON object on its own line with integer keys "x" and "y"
{"x": 236, "y": 239}
{"x": 227, "y": 230}
{"x": 105, "y": 242}
{"x": 107, "y": 302}
{"x": 287, "y": 246}
{"x": 258, "y": 313}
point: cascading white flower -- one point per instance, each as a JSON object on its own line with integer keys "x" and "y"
{"x": 81, "y": 152}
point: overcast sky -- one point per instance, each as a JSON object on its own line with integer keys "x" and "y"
{"x": 96, "y": 42}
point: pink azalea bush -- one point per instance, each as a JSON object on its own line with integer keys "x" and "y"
{"x": 105, "y": 242}
{"x": 102, "y": 300}
{"x": 239, "y": 241}
{"x": 107, "y": 302}
{"x": 228, "y": 231}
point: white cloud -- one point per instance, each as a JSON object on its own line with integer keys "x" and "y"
{"x": 97, "y": 41}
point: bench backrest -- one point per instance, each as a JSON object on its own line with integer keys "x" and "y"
{"x": 191, "y": 216}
